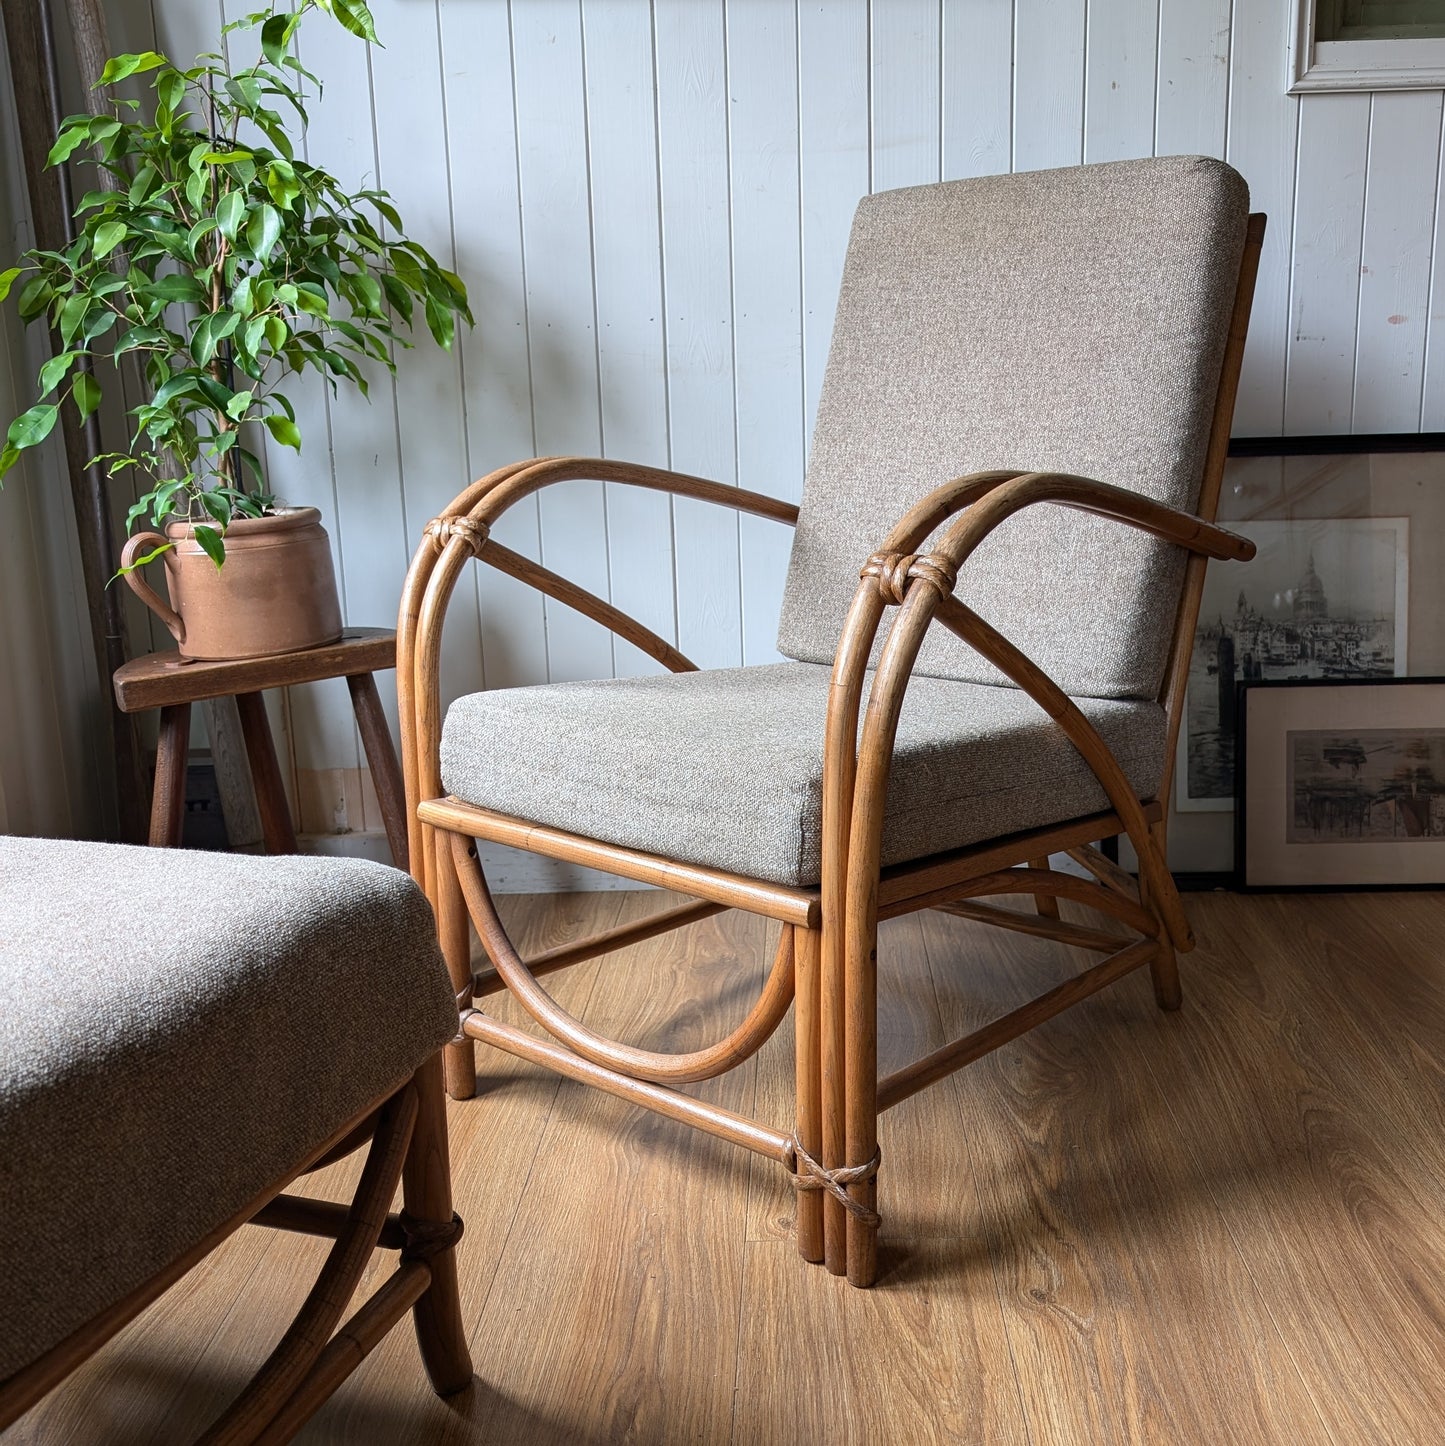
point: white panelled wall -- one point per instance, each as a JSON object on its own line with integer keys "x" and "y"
{"x": 650, "y": 202}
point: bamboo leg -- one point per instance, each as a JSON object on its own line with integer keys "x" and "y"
{"x": 806, "y": 950}
{"x": 456, "y": 945}
{"x": 427, "y": 1191}
{"x": 862, "y": 1102}
{"x": 266, "y": 775}
{"x": 831, "y": 1078}
{"x": 168, "y": 801}
{"x": 1046, "y": 906}
{"x": 1164, "y": 967}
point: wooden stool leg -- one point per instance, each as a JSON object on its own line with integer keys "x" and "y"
{"x": 266, "y": 775}
{"x": 806, "y": 946}
{"x": 427, "y": 1188}
{"x": 1046, "y": 906}
{"x": 168, "y": 801}
{"x": 381, "y": 759}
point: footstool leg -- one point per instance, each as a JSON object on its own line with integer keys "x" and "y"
{"x": 427, "y": 1190}
{"x": 168, "y": 800}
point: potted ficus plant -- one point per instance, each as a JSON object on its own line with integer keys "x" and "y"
{"x": 225, "y": 263}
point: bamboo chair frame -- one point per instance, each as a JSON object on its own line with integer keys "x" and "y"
{"x": 826, "y": 963}
{"x": 408, "y": 1145}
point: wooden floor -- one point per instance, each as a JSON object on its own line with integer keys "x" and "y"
{"x": 1225, "y": 1225}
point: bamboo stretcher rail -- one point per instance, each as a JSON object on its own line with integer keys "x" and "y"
{"x": 488, "y": 981}
{"x": 899, "y": 1085}
{"x": 296, "y": 1353}
{"x": 713, "y": 1119}
{"x": 346, "y": 1350}
{"x": 1105, "y": 870}
{"x": 732, "y": 891}
{"x": 1054, "y": 885}
{"x": 327, "y": 1219}
{"x": 1059, "y": 930}
{"x": 755, "y": 1030}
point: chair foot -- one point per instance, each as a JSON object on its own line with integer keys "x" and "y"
{"x": 1164, "y": 970}
{"x": 461, "y": 1068}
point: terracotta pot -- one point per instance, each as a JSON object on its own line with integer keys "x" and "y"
{"x": 276, "y": 592}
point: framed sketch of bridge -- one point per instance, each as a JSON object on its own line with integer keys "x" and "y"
{"x": 1341, "y": 784}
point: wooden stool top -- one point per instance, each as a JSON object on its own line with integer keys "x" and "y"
{"x": 159, "y": 680}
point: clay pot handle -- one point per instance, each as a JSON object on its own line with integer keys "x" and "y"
{"x": 144, "y": 542}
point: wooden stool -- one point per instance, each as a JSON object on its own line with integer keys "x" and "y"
{"x": 166, "y": 681}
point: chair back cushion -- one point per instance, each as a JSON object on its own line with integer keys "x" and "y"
{"x": 1071, "y": 320}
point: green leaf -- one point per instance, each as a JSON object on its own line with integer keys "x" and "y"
{"x": 85, "y": 393}
{"x": 140, "y": 336}
{"x": 251, "y": 337}
{"x": 274, "y": 35}
{"x": 281, "y": 182}
{"x": 225, "y": 158}
{"x": 230, "y": 212}
{"x": 121, "y": 66}
{"x": 440, "y": 323}
{"x": 9, "y": 456}
{"x": 277, "y": 333}
{"x": 150, "y": 556}
{"x": 236, "y": 407}
{"x": 201, "y": 229}
{"x": 263, "y": 230}
{"x": 178, "y": 288}
{"x": 32, "y": 427}
{"x": 55, "y": 370}
{"x": 7, "y": 280}
{"x": 354, "y": 16}
{"x": 284, "y": 430}
{"x": 211, "y": 544}
{"x": 108, "y": 235}
{"x": 72, "y": 314}
{"x": 34, "y": 298}
{"x": 171, "y": 88}
{"x": 146, "y": 180}
{"x": 71, "y": 136}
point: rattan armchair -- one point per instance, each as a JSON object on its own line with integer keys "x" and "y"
{"x": 1018, "y": 334}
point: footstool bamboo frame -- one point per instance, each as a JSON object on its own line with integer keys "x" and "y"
{"x": 826, "y": 961}
{"x": 408, "y": 1144}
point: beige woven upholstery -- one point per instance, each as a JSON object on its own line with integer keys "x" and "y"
{"x": 1070, "y": 321}
{"x": 236, "y": 1012}
{"x": 725, "y": 767}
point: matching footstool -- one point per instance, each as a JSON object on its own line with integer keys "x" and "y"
{"x": 181, "y": 1035}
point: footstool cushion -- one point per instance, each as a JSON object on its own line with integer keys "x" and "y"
{"x": 179, "y": 1032}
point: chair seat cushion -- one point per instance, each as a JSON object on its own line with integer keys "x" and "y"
{"x": 179, "y": 1031}
{"x": 725, "y": 767}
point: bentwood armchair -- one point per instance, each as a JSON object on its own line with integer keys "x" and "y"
{"x": 1019, "y": 335}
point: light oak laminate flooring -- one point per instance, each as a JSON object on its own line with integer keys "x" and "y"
{"x": 1222, "y": 1225}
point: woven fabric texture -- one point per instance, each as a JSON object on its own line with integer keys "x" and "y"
{"x": 1071, "y": 320}
{"x": 725, "y": 767}
{"x": 177, "y": 1032}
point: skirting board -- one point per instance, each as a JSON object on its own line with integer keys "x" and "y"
{"x": 509, "y": 871}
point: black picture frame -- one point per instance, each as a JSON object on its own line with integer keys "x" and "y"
{"x": 1243, "y": 693}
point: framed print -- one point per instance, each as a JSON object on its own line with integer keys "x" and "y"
{"x": 1347, "y": 526}
{"x": 1341, "y": 785}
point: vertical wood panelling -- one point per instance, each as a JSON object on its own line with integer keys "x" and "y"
{"x": 905, "y": 80}
{"x": 632, "y": 367}
{"x": 1395, "y": 260}
{"x": 832, "y": 164}
{"x": 1048, "y": 83}
{"x": 1193, "y": 82}
{"x": 767, "y": 286}
{"x": 692, "y": 110}
{"x": 1334, "y": 132}
{"x": 1120, "y": 75}
{"x": 482, "y": 148}
{"x": 1261, "y": 145}
{"x": 650, "y": 202}
{"x": 411, "y": 137}
{"x": 977, "y": 97}
{"x": 561, "y": 311}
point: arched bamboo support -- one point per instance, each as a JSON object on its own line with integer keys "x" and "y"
{"x": 744, "y": 1042}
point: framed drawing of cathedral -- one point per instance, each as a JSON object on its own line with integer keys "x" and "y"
{"x": 1345, "y": 587}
